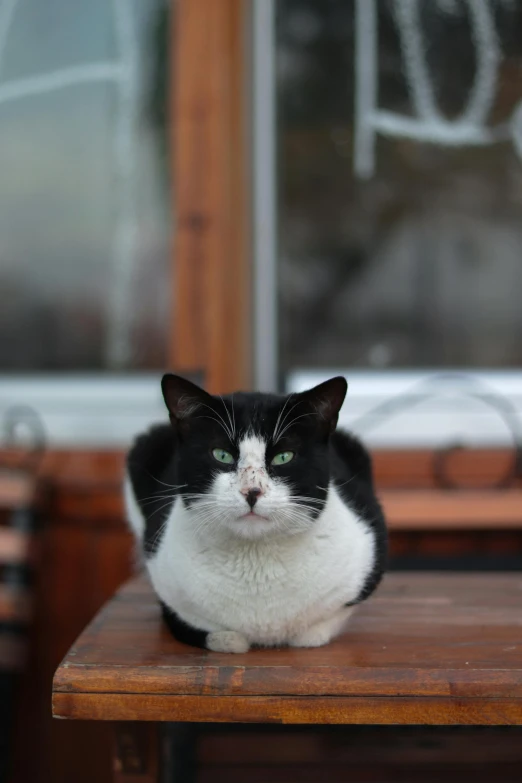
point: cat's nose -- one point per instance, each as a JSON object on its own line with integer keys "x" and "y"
{"x": 251, "y": 496}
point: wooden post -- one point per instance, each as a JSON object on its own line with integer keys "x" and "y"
{"x": 212, "y": 301}
{"x": 136, "y": 753}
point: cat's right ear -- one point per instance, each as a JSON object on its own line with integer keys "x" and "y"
{"x": 183, "y": 398}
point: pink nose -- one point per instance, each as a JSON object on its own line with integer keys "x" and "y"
{"x": 251, "y": 495}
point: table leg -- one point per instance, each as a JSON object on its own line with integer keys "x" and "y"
{"x": 136, "y": 753}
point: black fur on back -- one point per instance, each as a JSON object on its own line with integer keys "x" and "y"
{"x": 351, "y": 472}
{"x": 151, "y": 469}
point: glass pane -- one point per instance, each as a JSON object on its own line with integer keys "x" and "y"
{"x": 84, "y": 212}
{"x": 400, "y": 196}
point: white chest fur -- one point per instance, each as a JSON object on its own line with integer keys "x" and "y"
{"x": 270, "y": 589}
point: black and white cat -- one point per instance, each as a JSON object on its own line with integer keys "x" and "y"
{"x": 257, "y": 519}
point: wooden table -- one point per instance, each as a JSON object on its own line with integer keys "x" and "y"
{"x": 435, "y": 649}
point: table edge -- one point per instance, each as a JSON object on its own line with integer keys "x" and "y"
{"x": 292, "y": 710}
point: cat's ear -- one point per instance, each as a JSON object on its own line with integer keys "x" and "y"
{"x": 183, "y": 398}
{"x": 326, "y": 400}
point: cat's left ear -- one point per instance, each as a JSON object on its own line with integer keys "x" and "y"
{"x": 182, "y": 397}
{"x": 326, "y": 400}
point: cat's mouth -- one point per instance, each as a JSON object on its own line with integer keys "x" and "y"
{"x": 251, "y": 515}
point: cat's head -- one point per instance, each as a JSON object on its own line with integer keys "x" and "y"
{"x": 254, "y": 464}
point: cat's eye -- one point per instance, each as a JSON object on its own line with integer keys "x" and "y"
{"x": 283, "y": 458}
{"x": 225, "y": 457}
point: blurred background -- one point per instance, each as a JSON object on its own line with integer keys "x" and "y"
{"x": 256, "y": 194}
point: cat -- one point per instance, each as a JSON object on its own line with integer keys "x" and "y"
{"x": 256, "y": 517}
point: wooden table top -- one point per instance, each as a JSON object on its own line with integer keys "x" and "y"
{"x": 425, "y": 649}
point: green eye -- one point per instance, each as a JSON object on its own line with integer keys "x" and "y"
{"x": 225, "y": 457}
{"x": 283, "y": 458}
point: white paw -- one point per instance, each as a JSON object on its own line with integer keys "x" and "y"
{"x": 313, "y": 637}
{"x": 227, "y": 641}
{"x": 323, "y": 632}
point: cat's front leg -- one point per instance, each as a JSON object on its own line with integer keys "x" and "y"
{"x": 227, "y": 641}
{"x": 323, "y": 631}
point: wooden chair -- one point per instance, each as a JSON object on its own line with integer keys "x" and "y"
{"x": 427, "y": 649}
{"x": 18, "y": 495}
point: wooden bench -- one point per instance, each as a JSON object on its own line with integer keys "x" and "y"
{"x": 19, "y": 495}
{"x": 431, "y": 649}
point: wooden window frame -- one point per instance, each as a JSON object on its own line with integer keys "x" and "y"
{"x": 211, "y": 330}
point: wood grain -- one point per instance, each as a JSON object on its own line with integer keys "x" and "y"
{"x": 314, "y": 710}
{"x": 428, "y": 648}
{"x": 211, "y": 290}
{"x": 447, "y": 509}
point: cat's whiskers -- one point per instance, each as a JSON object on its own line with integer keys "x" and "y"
{"x": 306, "y": 497}
{"x": 158, "y": 510}
{"x": 203, "y": 499}
{"x": 233, "y": 414}
{"x": 158, "y": 534}
{"x": 209, "y": 518}
{"x": 162, "y": 494}
{"x": 220, "y": 420}
{"x": 344, "y": 483}
{"x": 274, "y": 434}
{"x": 299, "y": 508}
{"x": 293, "y": 421}
{"x": 313, "y": 504}
{"x": 159, "y": 481}
{"x": 282, "y": 410}
{"x": 232, "y": 423}
{"x": 290, "y": 519}
{"x": 151, "y": 501}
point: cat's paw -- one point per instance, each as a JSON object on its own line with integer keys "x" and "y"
{"x": 312, "y": 637}
{"x": 227, "y": 641}
{"x": 324, "y": 631}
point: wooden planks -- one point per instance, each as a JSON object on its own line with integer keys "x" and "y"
{"x": 452, "y": 509}
{"x": 428, "y": 648}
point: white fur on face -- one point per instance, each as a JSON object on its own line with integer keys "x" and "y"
{"x": 251, "y": 467}
{"x": 275, "y": 509}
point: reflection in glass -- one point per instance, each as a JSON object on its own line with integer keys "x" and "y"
{"x": 84, "y": 214}
{"x": 400, "y": 211}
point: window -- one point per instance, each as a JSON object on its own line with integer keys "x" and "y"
{"x": 399, "y": 203}
{"x": 84, "y": 208}
{"x": 87, "y": 114}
